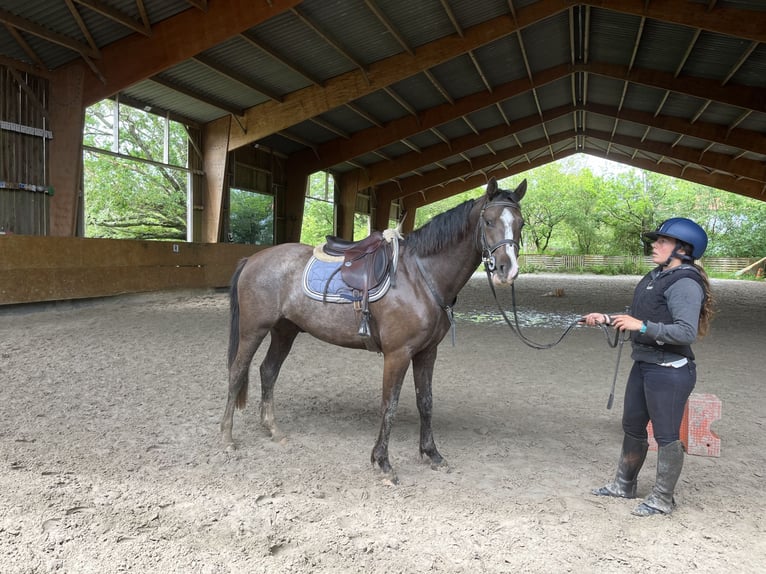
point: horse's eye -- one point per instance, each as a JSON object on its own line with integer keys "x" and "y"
{"x": 488, "y": 223}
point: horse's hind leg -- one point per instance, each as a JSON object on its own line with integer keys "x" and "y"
{"x": 239, "y": 374}
{"x": 282, "y": 337}
{"x": 423, "y": 370}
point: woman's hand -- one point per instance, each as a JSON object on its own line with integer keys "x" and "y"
{"x": 626, "y": 323}
{"x": 593, "y": 319}
{"x": 621, "y": 322}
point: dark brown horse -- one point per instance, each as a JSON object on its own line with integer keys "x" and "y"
{"x": 435, "y": 262}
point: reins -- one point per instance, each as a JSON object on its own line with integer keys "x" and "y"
{"x": 488, "y": 259}
{"x": 516, "y": 326}
{"x": 619, "y": 339}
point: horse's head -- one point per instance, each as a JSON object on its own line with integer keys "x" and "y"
{"x": 500, "y": 226}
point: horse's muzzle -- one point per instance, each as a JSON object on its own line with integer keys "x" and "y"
{"x": 502, "y": 279}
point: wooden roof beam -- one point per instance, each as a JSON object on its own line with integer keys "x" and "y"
{"x": 136, "y": 57}
{"x": 369, "y": 139}
{"x": 365, "y": 141}
{"x": 721, "y": 20}
{"x": 744, "y": 187}
{"x": 407, "y": 186}
{"x": 298, "y": 69}
{"x": 116, "y": 16}
{"x": 48, "y": 35}
{"x": 267, "y": 118}
{"x": 724, "y": 163}
{"x": 383, "y": 171}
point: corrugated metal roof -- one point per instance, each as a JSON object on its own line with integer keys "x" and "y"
{"x": 619, "y": 77}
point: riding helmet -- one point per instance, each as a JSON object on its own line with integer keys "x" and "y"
{"x": 684, "y": 230}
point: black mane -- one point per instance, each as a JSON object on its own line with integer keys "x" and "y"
{"x": 450, "y": 226}
{"x": 443, "y": 230}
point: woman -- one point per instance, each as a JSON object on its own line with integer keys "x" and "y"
{"x": 672, "y": 304}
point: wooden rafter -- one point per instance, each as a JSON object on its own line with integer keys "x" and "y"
{"x": 116, "y": 16}
{"x": 48, "y": 35}
{"x": 216, "y": 103}
{"x": 224, "y": 70}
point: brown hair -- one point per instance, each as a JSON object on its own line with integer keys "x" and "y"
{"x": 708, "y": 305}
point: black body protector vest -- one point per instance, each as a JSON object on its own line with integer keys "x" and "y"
{"x": 649, "y": 304}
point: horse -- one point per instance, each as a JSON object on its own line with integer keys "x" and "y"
{"x": 435, "y": 262}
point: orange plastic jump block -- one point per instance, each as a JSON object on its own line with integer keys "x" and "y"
{"x": 698, "y": 438}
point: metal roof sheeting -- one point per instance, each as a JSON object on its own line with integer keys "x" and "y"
{"x": 603, "y": 71}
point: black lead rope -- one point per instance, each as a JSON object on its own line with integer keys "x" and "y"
{"x": 516, "y": 326}
{"x": 618, "y": 341}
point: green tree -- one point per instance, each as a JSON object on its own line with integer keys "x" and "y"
{"x": 127, "y": 199}
{"x": 251, "y": 217}
{"x": 545, "y": 205}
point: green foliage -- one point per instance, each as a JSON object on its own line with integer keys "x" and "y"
{"x": 318, "y": 217}
{"x": 361, "y": 226}
{"x": 125, "y": 199}
{"x": 251, "y": 218}
{"x": 570, "y": 210}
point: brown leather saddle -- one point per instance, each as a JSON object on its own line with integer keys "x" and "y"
{"x": 366, "y": 264}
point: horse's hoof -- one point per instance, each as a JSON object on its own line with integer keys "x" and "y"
{"x": 278, "y": 437}
{"x": 230, "y": 447}
{"x": 389, "y": 478}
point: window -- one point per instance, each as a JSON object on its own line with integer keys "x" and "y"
{"x": 251, "y": 217}
{"x": 136, "y": 180}
{"x": 319, "y": 209}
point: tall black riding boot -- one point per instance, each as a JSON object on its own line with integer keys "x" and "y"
{"x": 670, "y": 461}
{"x": 631, "y": 460}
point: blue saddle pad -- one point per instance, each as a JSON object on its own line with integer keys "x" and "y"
{"x": 317, "y": 273}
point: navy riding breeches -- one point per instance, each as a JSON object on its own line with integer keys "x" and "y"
{"x": 658, "y": 394}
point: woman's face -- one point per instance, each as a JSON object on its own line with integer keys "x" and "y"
{"x": 662, "y": 249}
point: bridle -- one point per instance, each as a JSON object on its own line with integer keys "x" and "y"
{"x": 488, "y": 259}
{"x": 487, "y": 250}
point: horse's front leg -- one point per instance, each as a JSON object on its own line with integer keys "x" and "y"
{"x": 394, "y": 368}
{"x": 423, "y": 370}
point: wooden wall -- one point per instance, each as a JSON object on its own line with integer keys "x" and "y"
{"x": 37, "y": 269}
{"x": 24, "y": 136}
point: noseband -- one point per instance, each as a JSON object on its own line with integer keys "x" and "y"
{"x": 487, "y": 250}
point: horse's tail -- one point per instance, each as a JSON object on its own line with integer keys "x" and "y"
{"x": 234, "y": 312}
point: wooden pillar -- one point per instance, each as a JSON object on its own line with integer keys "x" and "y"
{"x": 346, "y": 205}
{"x": 215, "y": 146}
{"x": 382, "y": 211}
{"x": 290, "y": 208}
{"x": 67, "y": 117}
{"x": 408, "y": 224}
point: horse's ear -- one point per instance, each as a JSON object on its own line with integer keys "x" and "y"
{"x": 491, "y": 187}
{"x": 521, "y": 190}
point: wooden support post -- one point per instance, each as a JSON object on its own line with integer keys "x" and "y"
{"x": 67, "y": 116}
{"x": 215, "y": 145}
{"x": 289, "y": 225}
{"x": 409, "y": 218}
{"x": 382, "y": 211}
{"x": 346, "y": 206}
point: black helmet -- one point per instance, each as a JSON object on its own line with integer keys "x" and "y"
{"x": 684, "y": 230}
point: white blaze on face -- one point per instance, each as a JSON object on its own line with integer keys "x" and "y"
{"x": 507, "y": 219}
